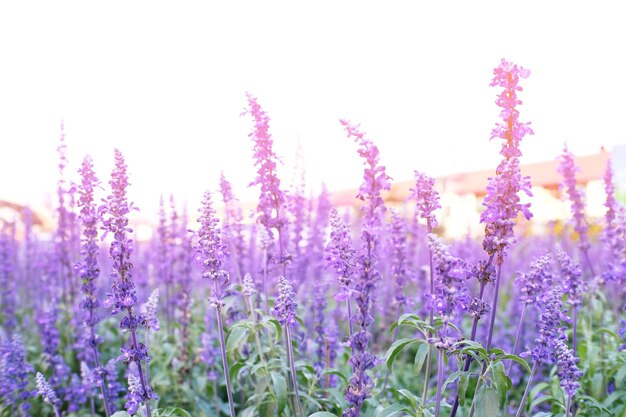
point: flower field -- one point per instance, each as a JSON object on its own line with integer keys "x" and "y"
{"x": 306, "y": 309}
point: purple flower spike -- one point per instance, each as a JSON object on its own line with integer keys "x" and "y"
{"x": 426, "y": 199}
{"x": 285, "y": 307}
{"x": 502, "y": 202}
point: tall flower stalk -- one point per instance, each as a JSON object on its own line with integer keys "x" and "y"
{"x": 375, "y": 180}
{"x": 271, "y": 207}
{"x": 502, "y": 202}
{"x": 449, "y": 297}
{"x": 568, "y": 168}
{"x": 549, "y": 325}
{"x": 89, "y": 271}
{"x": 533, "y": 286}
{"x": 211, "y": 253}
{"x": 123, "y": 297}
{"x": 339, "y": 258}
{"x": 427, "y": 201}
{"x": 285, "y": 312}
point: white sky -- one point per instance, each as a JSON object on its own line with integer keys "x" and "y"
{"x": 165, "y": 82}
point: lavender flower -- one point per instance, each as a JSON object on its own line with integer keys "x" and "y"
{"x": 613, "y": 235}
{"x": 571, "y": 276}
{"x": 426, "y": 199}
{"x": 210, "y": 256}
{"x": 535, "y": 283}
{"x": 7, "y": 281}
{"x": 339, "y": 254}
{"x": 285, "y": 312}
{"x": 534, "y": 287}
{"x": 375, "y": 181}
{"x": 502, "y": 202}
{"x": 568, "y": 168}
{"x": 233, "y": 227}
{"x": 568, "y": 372}
{"x": 124, "y": 298}
{"x": 15, "y": 372}
{"x": 285, "y": 307}
{"x": 399, "y": 269}
{"x": 149, "y": 311}
{"x": 450, "y": 294}
{"x": 47, "y": 393}
{"x": 548, "y": 325}
{"x": 272, "y": 198}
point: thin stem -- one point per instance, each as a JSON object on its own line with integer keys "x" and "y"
{"x": 431, "y": 316}
{"x": 229, "y": 389}
{"x": 427, "y": 374}
{"x": 468, "y": 359}
{"x": 517, "y": 335}
{"x": 292, "y": 369}
{"x": 215, "y": 398}
{"x": 526, "y": 391}
{"x": 327, "y": 378}
{"x": 259, "y": 346}
{"x": 350, "y": 327}
{"x": 494, "y": 307}
{"x": 265, "y": 297}
{"x": 439, "y": 382}
{"x": 568, "y": 405}
{"x": 574, "y": 327}
{"x": 103, "y": 384}
{"x": 142, "y": 379}
{"x": 92, "y": 407}
{"x": 56, "y": 411}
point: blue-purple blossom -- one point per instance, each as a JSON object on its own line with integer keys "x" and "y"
{"x": 339, "y": 254}
{"x": 613, "y": 234}
{"x": 450, "y": 295}
{"x": 45, "y": 390}
{"x": 535, "y": 283}
{"x": 124, "y": 295}
{"x": 568, "y": 371}
{"x": 7, "y": 281}
{"x": 375, "y": 181}
{"x": 150, "y": 311}
{"x": 285, "y": 307}
{"x": 211, "y": 252}
{"x": 567, "y": 168}
{"x": 15, "y": 372}
{"x": 571, "y": 278}
{"x": 502, "y": 202}
{"x": 548, "y": 325}
{"x": 426, "y": 199}
{"x": 272, "y": 198}
{"x": 399, "y": 269}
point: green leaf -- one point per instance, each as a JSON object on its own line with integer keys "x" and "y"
{"x": 502, "y": 382}
{"x": 170, "y": 412}
{"x": 322, "y": 414}
{"x": 420, "y": 357}
{"x": 593, "y": 403}
{"x": 514, "y": 358}
{"x": 236, "y": 338}
{"x": 121, "y": 414}
{"x": 396, "y": 348}
{"x": 463, "y": 383}
{"x": 392, "y": 410}
{"x": 409, "y": 396}
{"x": 280, "y": 387}
{"x": 487, "y": 402}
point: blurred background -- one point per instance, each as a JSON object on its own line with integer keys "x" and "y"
{"x": 165, "y": 83}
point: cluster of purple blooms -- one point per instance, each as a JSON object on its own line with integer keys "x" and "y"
{"x": 284, "y": 261}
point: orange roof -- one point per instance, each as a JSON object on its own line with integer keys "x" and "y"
{"x": 542, "y": 174}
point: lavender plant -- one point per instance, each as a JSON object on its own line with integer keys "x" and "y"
{"x": 375, "y": 180}
{"x": 123, "y": 297}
